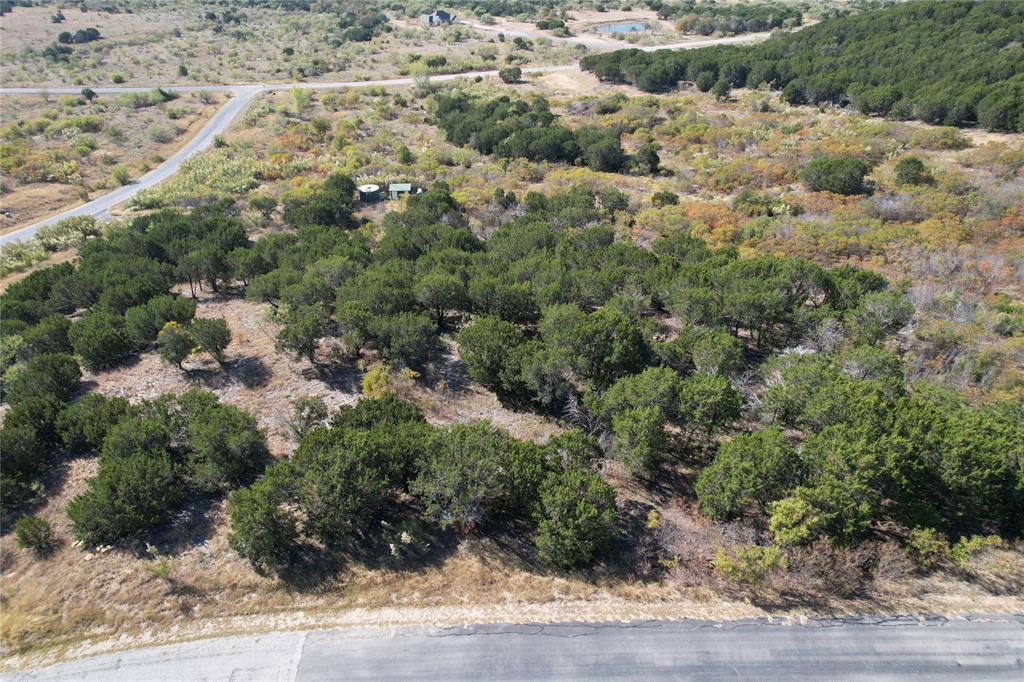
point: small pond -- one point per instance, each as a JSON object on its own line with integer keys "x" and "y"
{"x": 626, "y": 27}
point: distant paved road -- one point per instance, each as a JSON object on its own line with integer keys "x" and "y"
{"x": 99, "y": 207}
{"x": 242, "y": 96}
{"x": 867, "y": 648}
{"x": 598, "y": 43}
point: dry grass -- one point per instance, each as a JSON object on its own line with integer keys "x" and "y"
{"x": 147, "y": 46}
{"x": 31, "y": 26}
{"x": 139, "y": 139}
{"x": 59, "y": 257}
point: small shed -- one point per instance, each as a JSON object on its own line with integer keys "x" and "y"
{"x": 398, "y": 189}
{"x": 438, "y": 18}
{"x": 369, "y": 193}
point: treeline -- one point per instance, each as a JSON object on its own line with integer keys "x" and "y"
{"x": 495, "y": 8}
{"x": 123, "y": 283}
{"x": 874, "y": 455}
{"x": 952, "y": 63}
{"x": 727, "y": 19}
{"x": 368, "y": 479}
{"x": 511, "y": 128}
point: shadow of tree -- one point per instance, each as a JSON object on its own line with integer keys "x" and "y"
{"x": 50, "y": 481}
{"x": 251, "y": 372}
{"x": 314, "y": 565}
{"x": 192, "y": 526}
{"x": 635, "y": 553}
{"x": 671, "y": 480}
{"x": 339, "y": 376}
{"x": 449, "y": 368}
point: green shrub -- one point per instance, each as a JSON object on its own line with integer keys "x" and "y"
{"x": 38, "y": 414}
{"x": 463, "y": 481}
{"x": 262, "y": 530}
{"x": 749, "y": 471}
{"x": 226, "y": 448}
{"x": 101, "y": 339}
{"x": 131, "y": 494}
{"x": 50, "y": 335}
{"x": 968, "y": 547}
{"x": 35, "y": 533}
{"x": 85, "y": 423}
{"x": 576, "y": 518}
{"x": 24, "y": 458}
{"x": 838, "y": 175}
{"x": 329, "y": 204}
{"x": 927, "y": 547}
{"x": 510, "y": 74}
{"x": 638, "y": 438}
{"x": 707, "y": 404}
{"x": 911, "y": 171}
{"x": 749, "y": 564}
{"x": 387, "y": 410}
{"x": 342, "y": 484}
{"x": 54, "y": 374}
{"x": 794, "y": 521}
{"x": 120, "y": 174}
{"x": 84, "y": 124}
{"x": 145, "y": 322}
{"x": 175, "y": 343}
{"x": 485, "y": 346}
{"x": 212, "y": 335}
{"x": 665, "y": 199}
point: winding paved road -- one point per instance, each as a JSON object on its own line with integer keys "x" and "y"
{"x": 241, "y": 96}
{"x": 860, "y": 648}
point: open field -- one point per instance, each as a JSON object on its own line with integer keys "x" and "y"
{"x": 175, "y": 45}
{"x": 62, "y": 150}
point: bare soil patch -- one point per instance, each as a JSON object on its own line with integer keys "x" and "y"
{"x": 31, "y": 26}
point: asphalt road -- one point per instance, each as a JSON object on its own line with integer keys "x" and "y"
{"x": 242, "y": 96}
{"x": 866, "y": 648}
{"x": 100, "y": 206}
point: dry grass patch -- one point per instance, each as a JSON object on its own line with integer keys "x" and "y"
{"x": 62, "y": 151}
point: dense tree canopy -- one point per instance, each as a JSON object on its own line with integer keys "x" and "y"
{"x": 727, "y": 18}
{"x": 153, "y": 455}
{"x": 511, "y": 128}
{"x": 653, "y": 353}
{"x": 954, "y": 63}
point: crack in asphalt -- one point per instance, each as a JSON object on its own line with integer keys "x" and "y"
{"x": 661, "y": 648}
{"x": 573, "y": 630}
